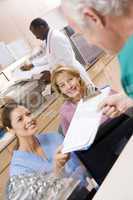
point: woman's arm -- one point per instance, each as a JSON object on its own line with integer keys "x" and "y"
{"x": 64, "y": 123}
{"x": 60, "y": 160}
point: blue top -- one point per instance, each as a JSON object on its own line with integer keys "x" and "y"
{"x": 125, "y": 57}
{"x": 26, "y": 162}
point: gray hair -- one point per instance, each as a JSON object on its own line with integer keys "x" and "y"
{"x": 104, "y": 7}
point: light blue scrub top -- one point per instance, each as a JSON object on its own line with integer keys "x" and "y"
{"x": 27, "y": 162}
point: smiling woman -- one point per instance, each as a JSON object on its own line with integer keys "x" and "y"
{"x": 35, "y": 153}
{"x": 21, "y": 124}
{"x": 68, "y": 83}
{"x": 110, "y": 138}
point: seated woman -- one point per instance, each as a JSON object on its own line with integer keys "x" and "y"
{"x": 112, "y": 135}
{"x": 35, "y": 153}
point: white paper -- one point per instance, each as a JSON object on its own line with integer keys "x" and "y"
{"x": 85, "y": 123}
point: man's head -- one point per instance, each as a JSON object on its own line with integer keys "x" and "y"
{"x": 102, "y": 21}
{"x": 39, "y": 28}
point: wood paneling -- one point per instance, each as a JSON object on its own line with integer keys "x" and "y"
{"x": 53, "y": 126}
{"x": 3, "y": 181}
{"x": 5, "y": 157}
{"x": 46, "y": 118}
{"x": 106, "y": 72}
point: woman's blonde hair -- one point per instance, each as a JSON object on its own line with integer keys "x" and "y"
{"x": 70, "y": 70}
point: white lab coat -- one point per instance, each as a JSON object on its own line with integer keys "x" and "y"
{"x": 59, "y": 51}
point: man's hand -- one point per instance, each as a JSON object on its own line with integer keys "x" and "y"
{"x": 115, "y": 105}
{"x": 60, "y": 160}
{"x": 26, "y": 67}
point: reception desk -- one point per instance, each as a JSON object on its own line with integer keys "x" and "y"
{"x": 118, "y": 183}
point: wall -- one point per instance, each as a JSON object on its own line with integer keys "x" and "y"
{"x": 16, "y": 15}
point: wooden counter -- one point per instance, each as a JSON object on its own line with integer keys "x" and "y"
{"x": 118, "y": 183}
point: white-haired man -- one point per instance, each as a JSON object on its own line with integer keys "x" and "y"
{"x": 108, "y": 24}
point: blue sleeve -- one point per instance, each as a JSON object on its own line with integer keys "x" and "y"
{"x": 73, "y": 163}
{"x": 75, "y": 168}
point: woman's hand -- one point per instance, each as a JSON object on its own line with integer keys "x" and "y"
{"x": 60, "y": 160}
{"x": 115, "y": 105}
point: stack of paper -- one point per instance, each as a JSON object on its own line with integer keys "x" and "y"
{"x": 85, "y": 123}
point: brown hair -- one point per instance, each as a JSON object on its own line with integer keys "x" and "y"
{"x": 70, "y": 70}
{"x": 5, "y": 105}
{"x": 6, "y": 114}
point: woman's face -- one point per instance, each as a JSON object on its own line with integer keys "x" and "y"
{"x": 22, "y": 123}
{"x": 69, "y": 85}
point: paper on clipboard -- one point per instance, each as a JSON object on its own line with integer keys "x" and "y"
{"x": 85, "y": 123}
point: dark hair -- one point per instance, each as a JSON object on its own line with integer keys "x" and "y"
{"x": 6, "y": 114}
{"x": 38, "y": 22}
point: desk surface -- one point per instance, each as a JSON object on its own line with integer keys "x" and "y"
{"x": 118, "y": 183}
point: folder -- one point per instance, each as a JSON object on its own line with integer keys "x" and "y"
{"x": 85, "y": 123}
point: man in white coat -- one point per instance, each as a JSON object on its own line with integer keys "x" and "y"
{"x": 58, "y": 49}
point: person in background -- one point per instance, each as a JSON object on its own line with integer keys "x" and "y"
{"x": 112, "y": 134}
{"x": 35, "y": 153}
{"x": 109, "y": 25}
{"x": 58, "y": 48}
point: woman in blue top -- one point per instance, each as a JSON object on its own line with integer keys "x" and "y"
{"x": 35, "y": 153}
